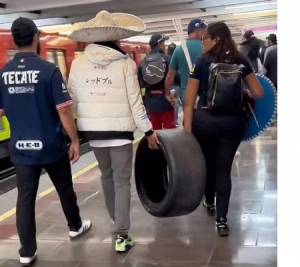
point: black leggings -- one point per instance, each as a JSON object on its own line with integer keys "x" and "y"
{"x": 219, "y": 138}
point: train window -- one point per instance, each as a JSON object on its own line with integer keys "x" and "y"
{"x": 62, "y": 63}
{"x": 78, "y": 53}
{"x": 143, "y": 55}
{"x": 11, "y": 54}
{"x": 131, "y": 54}
{"x": 58, "y": 58}
{"x": 50, "y": 57}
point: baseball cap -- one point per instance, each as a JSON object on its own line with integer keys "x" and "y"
{"x": 272, "y": 37}
{"x": 23, "y": 30}
{"x": 248, "y": 34}
{"x": 196, "y": 24}
{"x": 157, "y": 38}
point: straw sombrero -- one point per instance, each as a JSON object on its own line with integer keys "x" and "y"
{"x": 108, "y": 27}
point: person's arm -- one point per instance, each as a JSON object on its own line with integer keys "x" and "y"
{"x": 191, "y": 93}
{"x": 254, "y": 85}
{"x": 170, "y": 79}
{"x": 138, "y": 109}
{"x": 67, "y": 120}
{"x": 72, "y": 88}
{"x": 135, "y": 101}
{"x": 190, "y": 99}
{"x": 63, "y": 105}
{"x": 256, "y": 90}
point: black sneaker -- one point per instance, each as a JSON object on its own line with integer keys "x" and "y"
{"x": 28, "y": 261}
{"x": 211, "y": 209}
{"x": 222, "y": 227}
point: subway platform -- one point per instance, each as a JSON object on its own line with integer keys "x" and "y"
{"x": 182, "y": 242}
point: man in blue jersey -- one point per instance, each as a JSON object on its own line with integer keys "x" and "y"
{"x": 196, "y": 30}
{"x": 36, "y": 102}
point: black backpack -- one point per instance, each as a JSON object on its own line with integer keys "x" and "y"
{"x": 153, "y": 68}
{"x": 226, "y": 87}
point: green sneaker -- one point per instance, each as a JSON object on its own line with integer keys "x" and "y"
{"x": 123, "y": 243}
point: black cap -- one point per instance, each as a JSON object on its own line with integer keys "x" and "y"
{"x": 248, "y": 34}
{"x": 23, "y": 31}
{"x": 196, "y": 24}
{"x": 157, "y": 38}
{"x": 272, "y": 37}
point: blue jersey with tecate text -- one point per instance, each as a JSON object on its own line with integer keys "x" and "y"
{"x": 32, "y": 91}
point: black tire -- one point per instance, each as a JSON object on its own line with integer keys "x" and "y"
{"x": 170, "y": 181}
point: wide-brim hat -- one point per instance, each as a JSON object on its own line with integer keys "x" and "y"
{"x": 108, "y": 27}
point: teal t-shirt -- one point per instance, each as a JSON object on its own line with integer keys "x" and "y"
{"x": 179, "y": 63}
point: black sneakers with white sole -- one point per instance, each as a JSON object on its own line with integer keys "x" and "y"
{"x": 28, "y": 261}
{"x": 85, "y": 227}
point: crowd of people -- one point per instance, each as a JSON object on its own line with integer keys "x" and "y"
{"x": 109, "y": 118}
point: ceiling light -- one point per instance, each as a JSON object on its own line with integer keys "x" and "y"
{"x": 258, "y": 18}
{"x": 251, "y": 5}
{"x": 254, "y": 12}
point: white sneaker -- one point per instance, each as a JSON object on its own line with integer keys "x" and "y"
{"x": 85, "y": 227}
{"x": 27, "y": 261}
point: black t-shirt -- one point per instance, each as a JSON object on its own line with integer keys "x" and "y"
{"x": 201, "y": 72}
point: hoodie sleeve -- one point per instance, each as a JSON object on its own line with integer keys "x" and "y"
{"x": 72, "y": 86}
{"x": 138, "y": 110}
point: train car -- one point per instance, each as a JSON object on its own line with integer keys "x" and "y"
{"x": 61, "y": 51}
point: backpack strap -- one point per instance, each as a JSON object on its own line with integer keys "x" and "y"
{"x": 187, "y": 54}
{"x": 190, "y": 65}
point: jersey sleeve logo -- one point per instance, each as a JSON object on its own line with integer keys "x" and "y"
{"x": 64, "y": 88}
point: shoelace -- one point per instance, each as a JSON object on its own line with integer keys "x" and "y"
{"x": 222, "y": 225}
{"x": 120, "y": 239}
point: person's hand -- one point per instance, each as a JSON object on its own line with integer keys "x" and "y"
{"x": 171, "y": 99}
{"x": 153, "y": 141}
{"x": 74, "y": 152}
{"x": 187, "y": 128}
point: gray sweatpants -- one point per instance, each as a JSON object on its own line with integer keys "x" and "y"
{"x": 115, "y": 164}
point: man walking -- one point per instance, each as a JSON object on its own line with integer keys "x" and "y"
{"x": 36, "y": 102}
{"x": 196, "y": 30}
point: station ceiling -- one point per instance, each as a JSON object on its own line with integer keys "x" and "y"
{"x": 65, "y": 15}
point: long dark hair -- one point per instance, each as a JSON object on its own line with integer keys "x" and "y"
{"x": 112, "y": 45}
{"x": 225, "y": 50}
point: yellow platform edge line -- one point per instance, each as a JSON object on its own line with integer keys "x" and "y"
{"x": 83, "y": 171}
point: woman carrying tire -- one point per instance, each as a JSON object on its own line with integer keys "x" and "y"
{"x": 218, "y": 133}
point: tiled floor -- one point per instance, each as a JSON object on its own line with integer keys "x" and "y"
{"x": 181, "y": 242}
